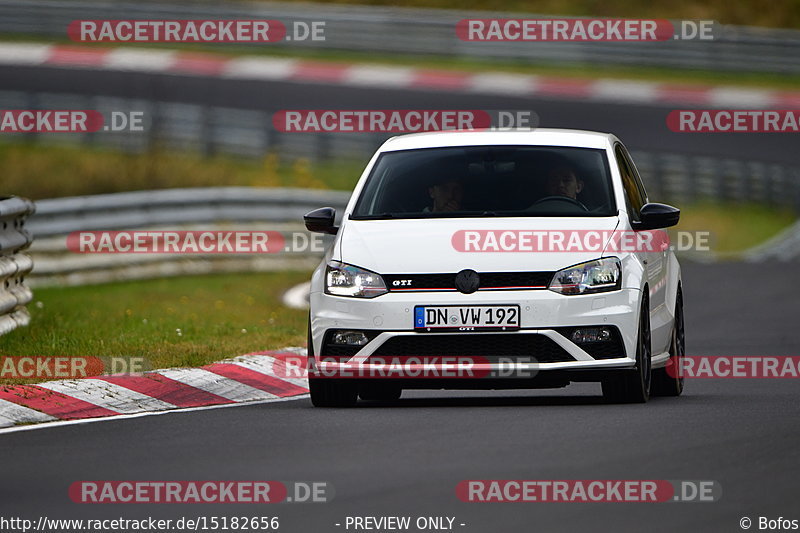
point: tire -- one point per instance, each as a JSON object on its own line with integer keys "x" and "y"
{"x": 633, "y": 386}
{"x": 332, "y": 392}
{"x": 329, "y": 392}
{"x": 380, "y": 392}
{"x": 663, "y": 383}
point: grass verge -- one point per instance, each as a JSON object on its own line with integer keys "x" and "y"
{"x": 734, "y": 228}
{"x": 37, "y": 171}
{"x": 185, "y": 321}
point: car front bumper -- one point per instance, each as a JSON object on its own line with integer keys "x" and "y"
{"x": 542, "y": 312}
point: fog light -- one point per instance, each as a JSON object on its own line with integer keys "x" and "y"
{"x": 583, "y": 335}
{"x": 351, "y": 338}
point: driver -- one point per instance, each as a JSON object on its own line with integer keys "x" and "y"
{"x": 563, "y": 181}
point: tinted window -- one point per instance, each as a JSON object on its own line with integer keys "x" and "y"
{"x": 487, "y": 181}
{"x": 634, "y": 193}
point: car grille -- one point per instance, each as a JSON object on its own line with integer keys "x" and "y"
{"x": 493, "y": 347}
{"x": 488, "y": 281}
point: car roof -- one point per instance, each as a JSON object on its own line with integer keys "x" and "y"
{"x": 535, "y": 137}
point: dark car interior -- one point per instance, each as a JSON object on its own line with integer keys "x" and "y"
{"x": 496, "y": 181}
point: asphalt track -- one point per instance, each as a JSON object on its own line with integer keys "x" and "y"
{"x": 641, "y": 127}
{"x": 406, "y": 458}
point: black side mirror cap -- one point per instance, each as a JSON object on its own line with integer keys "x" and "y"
{"x": 656, "y": 216}
{"x": 321, "y": 221}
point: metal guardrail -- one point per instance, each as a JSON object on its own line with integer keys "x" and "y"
{"x": 14, "y": 265}
{"x": 430, "y": 32}
{"x": 138, "y": 209}
{"x": 214, "y": 208}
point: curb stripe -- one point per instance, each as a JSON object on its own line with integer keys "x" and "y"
{"x": 12, "y": 414}
{"x": 310, "y": 71}
{"x": 194, "y": 63}
{"x": 139, "y": 60}
{"x": 388, "y": 76}
{"x": 564, "y": 87}
{"x": 501, "y": 83}
{"x": 53, "y": 403}
{"x": 77, "y": 55}
{"x": 686, "y": 94}
{"x": 258, "y": 377}
{"x": 260, "y": 69}
{"x": 256, "y": 380}
{"x": 108, "y": 395}
{"x": 440, "y": 79}
{"x": 276, "y": 366}
{"x": 24, "y": 54}
{"x": 379, "y": 76}
{"x": 166, "y": 389}
{"x": 216, "y": 384}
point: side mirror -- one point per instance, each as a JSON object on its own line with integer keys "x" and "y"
{"x": 657, "y": 216}
{"x": 321, "y": 220}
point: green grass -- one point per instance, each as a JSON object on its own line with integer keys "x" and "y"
{"x": 735, "y": 228}
{"x": 37, "y": 171}
{"x": 218, "y": 316}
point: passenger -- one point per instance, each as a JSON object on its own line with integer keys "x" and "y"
{"x": 447, "y": 196}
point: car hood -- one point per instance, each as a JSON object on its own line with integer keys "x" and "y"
{"x": 428, "y": 245}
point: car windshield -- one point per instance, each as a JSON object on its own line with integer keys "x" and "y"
{"x": 488, "y": 181}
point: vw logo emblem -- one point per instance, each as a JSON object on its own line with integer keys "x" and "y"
{"x": 467, "y": 281}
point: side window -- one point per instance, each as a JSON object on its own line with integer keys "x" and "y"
{"x": 634, "y": 192}
{"x": 636, "y": 176}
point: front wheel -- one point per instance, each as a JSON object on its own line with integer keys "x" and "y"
{"x": 332, "y": 392}
{"x": 328, "y": 392}
{"x": 633, "y": 386}
{"x": 665, "y": 384}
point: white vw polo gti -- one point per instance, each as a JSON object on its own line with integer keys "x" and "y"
{"x": 496, "y": 259}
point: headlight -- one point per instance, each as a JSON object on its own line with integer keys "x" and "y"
{"x": 347, "y": 280}
{"x": 601, "y": 275}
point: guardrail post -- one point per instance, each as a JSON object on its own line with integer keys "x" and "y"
{"x": 14, "y": 265}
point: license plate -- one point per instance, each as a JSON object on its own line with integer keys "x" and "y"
{"x": 466, "y": 317}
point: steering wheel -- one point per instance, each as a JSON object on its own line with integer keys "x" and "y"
{"x": 560, "y": 199}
